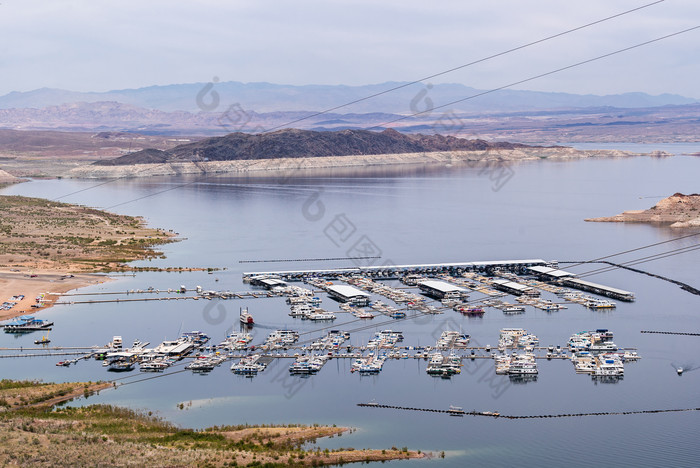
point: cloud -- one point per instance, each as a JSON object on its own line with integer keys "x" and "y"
{"x": 87, "y": 45}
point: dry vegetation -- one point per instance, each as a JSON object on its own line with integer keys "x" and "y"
{"x": 48, "y": 235}
{"x": 32, "y": 434}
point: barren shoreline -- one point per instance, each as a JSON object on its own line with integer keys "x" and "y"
{"x": 46, "y": 282}
{"x": 293, "y": 164}
{"x": 676, "y": 211}
{"x": 49, "y": 248}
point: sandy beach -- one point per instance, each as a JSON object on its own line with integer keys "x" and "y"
{"x": 50, "y": 248}
{"x": 48, "y": 283}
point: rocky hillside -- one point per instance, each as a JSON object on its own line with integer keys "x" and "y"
{"x": 292, "y": 143}
{"x": 678, "y": 210}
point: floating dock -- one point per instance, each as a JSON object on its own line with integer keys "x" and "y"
{"x": 396, "y": 271}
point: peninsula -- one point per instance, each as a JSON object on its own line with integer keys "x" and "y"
{"x": 52, "y": 247}
{"x": 95, "y": 435}
{"x": 292, "y": 150}
{"x": 677, "y": 211}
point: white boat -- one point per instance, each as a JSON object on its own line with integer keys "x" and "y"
{"x": 248, "y": 365}
{"x": 321, "y": 316}
{"x": 609, "y": 365}
{"x": 307, "y": 365}
{"x": 521, "y": 367}
{"x": 155, "y": 365}
{"x": 605, "y": 347}
{"x": 205, "y": 363}
{"x": 236, "y": 341}
{"x": 363, "y": 314}
{"x": 121, "y": 365}
{"x": 245, "y": 317}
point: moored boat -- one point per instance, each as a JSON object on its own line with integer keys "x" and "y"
{"x": 26, "y": 324}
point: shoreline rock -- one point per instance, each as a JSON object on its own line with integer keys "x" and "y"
{"x": 263, "y": 166}
{"x": 678, "y": 211}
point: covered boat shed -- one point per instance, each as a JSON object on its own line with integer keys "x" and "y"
{"x": 439, "y": 289}
{"x": 350, "y": 294}
{"x": 511, "y": 287}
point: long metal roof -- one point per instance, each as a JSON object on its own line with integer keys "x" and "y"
{"x": 551, "y": 271}
{"x": 351, "y": 270}
{"x": 346, "y": 291}
{"x": 441, "y": 286}
{"x": 601, "y": 286}
{"x": 273, "y": 282}
{"x": 511, "y": 284}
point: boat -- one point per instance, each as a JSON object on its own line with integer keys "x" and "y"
{"x": 281, "y": 338}
{"x": 307, "y": 365}
{"x": 363, "y": 314}
{"x": 44, "y": 340}
{"x": 472, "y": 311}
{"x": 320, "y": 316}
{"x": 116, "y": 342}
{"x": 196, "y": 337}
{"x": 245, "y": 317}
{"x": 155, "y": 365}
{"x": 520, "y": 367}
{"x": 455, "y": 411}
{"x": 605, "y": 346}
{"x": 205, "y": 363}
{"x": 236, "y": 341}
{"x": 368, "y": 365}
{"x": 679, "y": 371}
{"x": 121, "y": 365}
{"x": 599, "y": 304}
{"x": 26, "y": 324}
{"x": 513, "y": 309}
{"x": 609, "y": 365}
{"x": 300, "y": 311}
{"x": 248, "y": 365}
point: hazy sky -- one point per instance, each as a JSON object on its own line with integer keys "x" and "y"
{"x": 98, "y": 45}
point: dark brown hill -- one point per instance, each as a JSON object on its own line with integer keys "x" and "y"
{"x": 292, "y": 143}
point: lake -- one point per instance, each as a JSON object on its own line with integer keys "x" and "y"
{"x": 409, "y": 215}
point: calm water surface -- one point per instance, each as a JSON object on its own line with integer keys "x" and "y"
{"x": 410, "y": 215}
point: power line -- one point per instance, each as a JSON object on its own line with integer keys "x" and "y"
{"x": 635, "y": 249}
{"x": 568, "y": 67}
{"x": 460, "y": 67}
{"x": 642, "y": 260}
{"x": 541, "y": 75}
{"x": 481, "y": 60}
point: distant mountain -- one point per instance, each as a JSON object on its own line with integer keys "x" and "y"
{"x": 293, "y": 143}
{"x": 268, "y": 97}
{"x": 603, "y": 124}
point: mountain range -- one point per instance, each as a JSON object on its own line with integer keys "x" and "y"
{"x": 269, "y": 97}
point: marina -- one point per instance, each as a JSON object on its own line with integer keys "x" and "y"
{"x": 518, "y": 230}
{"x": 516, "y": 353}
{"x": 429, "y": 290}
